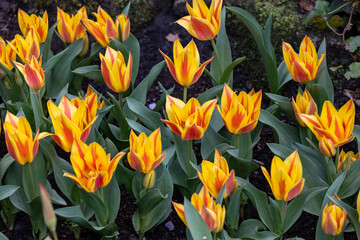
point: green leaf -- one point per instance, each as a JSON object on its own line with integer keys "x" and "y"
{"x": 261, "y": 41}
{"x": 283, "y": 102}
{"x": 232, "y": 211}
{"x": 3, "y": 237}
{"x": 95, "y": 49}
{"x": 356, "y": 133}
{"x": 35, "y": 104}
{"x": 45, "y": 47}
{"x": 354, "y": 43}
{"x": 228, "y": 70}
{"x": 242, "y": 167}
{"x": 7, "y": 190}
{"x": 126, "y": 10}
{"x": 319, "y": 9}
{"x": 336, "y": 21}
{"x": 120, "y": 118}
{"x": 112, "y": 199}
{"x": 184, "y": 158}
{"x": 132, "y": 44}
{"x": 92, "y": 200}
{"x": 210, "y": 141}
{"x": 255, "y": 229}
{"x": 283, "y": 74}
{"x": 210, "y": 94}
{"x": 354, "y": 71}
{"x": 5, "y": 163}
{"x": 92, "y": 72}
{"x": 197, "y": 226}
{"x": 352, "y": 181}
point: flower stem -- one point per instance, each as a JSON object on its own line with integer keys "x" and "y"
{"x": 237, "y": 140}
{"x": 40, "y": 105}
{"x": 102, "y": 194}
{"x": 31, "y": 181}
{"x": 54, "y": 235}
{"x": 185, "y": 94}
{"x": 326, "y": 163}
{"x": 216, "y": 55}
{"x": 121, "y": 100}
{"x": 283, "y": 214}
{"x": 337, "y": 157}
{"x": 214, "y": 236}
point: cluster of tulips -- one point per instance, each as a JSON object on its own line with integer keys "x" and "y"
{"x": 40, "y": 93}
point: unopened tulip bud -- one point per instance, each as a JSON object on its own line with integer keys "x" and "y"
{"x": 18, "y": 78}
{"x": 85, "y": 47}
{"x": 333, "y": 219}
{"x": 347, "y": 163}
{"x": 327, "y": 147}
{"x": 149, "y": 180}
{"x": 48, "y": 210}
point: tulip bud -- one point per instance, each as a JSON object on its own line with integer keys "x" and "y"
{"x": 85, "y": 47}
{"x": 327, "y": 147}
{"x": 48, "y": 210}
{"x": 333, "y": 219}
{"x": 149, "y": 180}
{"x": 347, "y": 163}
{"x": 18, "y": 78}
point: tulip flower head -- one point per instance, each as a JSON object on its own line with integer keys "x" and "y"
{"x": 39, "y": 24}
{"x": 332, "y": 124}
{"x": 333, "y": 219}
{"x": 326, "y": 147}
{"x": 286, "y": 181}
{"x": 303, "y": 67}
{"x": 19, "y": 138}
{"x": 89, "y": 92}
{"x": 72, "y": 119}
{"x": 215, "y": 175}
{"x": 116, "y": 73}
{"x": 105, "y": 29}
{"x": 27, "y": 47}
{"x": 189, "y": 120}
{"x": 7, "y": 53}
{"x": 344, "y": 156}
{"x": 92, "y": 166}
{"x": 33, "y": 73}
{"x": 185, "y": 69}
{"x": 213, "y": 214}
{"x": 304, "y": 104}
{"x": 47, "y": 209}
{"x": 203, "y": 22}
{"x": 145, "y": 151}
{"x": 69, "y": 27}
{"x": 240, "y": 113}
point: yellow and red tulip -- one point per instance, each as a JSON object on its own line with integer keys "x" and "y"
{"x": 145, "y": 151}
{"x": 7, "y": 53}
{"x": 286, "y": 181}
{"x": 344, "y": 156}
{"x": 39, "y": 24}
{"x": 47, "y": 209}
{"x": 185, "y": 69}
{"x": 213, "y": 214}
{"x": 19, "y": 138}
{"x": 92, "y": 166}
{"x": 216, "y": 174}
{"x": 69, "y": 27}
{"x": 333, "y": 219}
{"x": 149, "y": 179}
{"x": 33, "y": 73}
{"x": 116, "y": 74}
{"x": 241, "y": 112}
{"x": 72, "y": 119}
{"x": 304, "y": 104}
{"x": 303, "y": 67}
{"x": 189, "y": 120}
{"x": 202, "y": 22}
{"x": 27, "y": 47}
{"x": 327, "y": 147}
{"x": 105, "y": 29}
{"x": 89, "y": 92}
{"x": 332, "y": 124}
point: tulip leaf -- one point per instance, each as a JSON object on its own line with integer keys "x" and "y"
{"x": 126, "y": 10}
{"x": 287, "y": 133}
{"x": 233, "y": 209}
{"x": 5, "y": 163}
{"x": 92, "y": 200}
{"x": 8, "y": 72}
{"x": 224, "y": 50}
{"x": 263, "y": 42}
{"x": 95, "y": 49}
{"x": 92, "y": 72}
{"x": 76, "y": 215}
{"x": 283, "y": 74}
{"x": 255, "y": 229}
{"x": 210, "y": 94}
{"x": 196, "y": 224}
{"x": 133, "y": 46}
{"x": 210, "y": 141}
{"x": 216, "y": 122}
{"x": 119, "y": 46}
{"x": 112, "y": 199}
{"x": 352, "y": 181}
{"x": 228, "y": 70}
{"x": 352, "y": 214}
{"x": 242, "y": 167}
{"x": 7, "y": 190}
{"x": 61, "y": 73}
{"x": 162, "y": 99}
{"x": 3, "y": 237}
{"x": 283, "y": 103}
{"x": 214, "y": 81}
{"x": 35, "y": 104}
{"x": 120, "y": 118}
{"x": 356, "y": 133}
{"x": 178, "y": 175}
{"x": 45, "y": 47}
{"x": 185, "y": 154}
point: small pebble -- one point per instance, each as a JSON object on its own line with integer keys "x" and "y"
{"x": 152, "y": 106}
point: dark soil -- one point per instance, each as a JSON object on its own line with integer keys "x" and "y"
{"x": 152, "y": 38}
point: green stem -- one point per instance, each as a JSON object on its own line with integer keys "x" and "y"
{"x": 308, "y": 133}
{"x": 326, "y": 162}
{"x": 54, "y": 235}
{"x": 337, "y": 157}
{"x": 102, "y": 194}
{"x": 185, "y": 94}
{"x": 237, "y": 140}
{"x": 121, "y": 100}
{"x": 334, "y": 11}
{"x": 31, "y": 181}
{"x": 214, "y": 236}
{"x": 308, "y": 86}
{"x": 283, "y": 214}
{"x": 39, "y": 101}
{"x": 216, "y": 55}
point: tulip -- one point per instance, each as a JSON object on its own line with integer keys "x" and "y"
{"x": 69, "y": 27}
{"x": 185, "y": 69}
{"x": 26, "y": 48}
{"x": 304, "y": 104}
{"x": 286, "y": 181}
{"x": 344, "y": 156}
{"x": 189, "y": 120}
{"x": 47, "y": 209}
{"x": 333, "y": 219}
{"x": 19, "y": 139}
{"x": 92, "y": 166}
{"x": 89, "y": 92}
{"x": 149, "y": 179}
{"x": 213, "y": 214}
{"x": 215, "y": 175}
{"x": 116, "y": 74}
{"x": 303, "y": 67}
{"x": 145, "y": 151}
{"x": 72, "y": 119}
{"x": 33, "y": 73}
{"x": 327, "y": 147}
{"x": 332, "y": 124}
{"x": 39, "y": 24}
{"x": 203, "y": 22}
{"x": 240, "y": 113}
{"x": 7, "y": 53}
{"x": 104, "y": 29}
